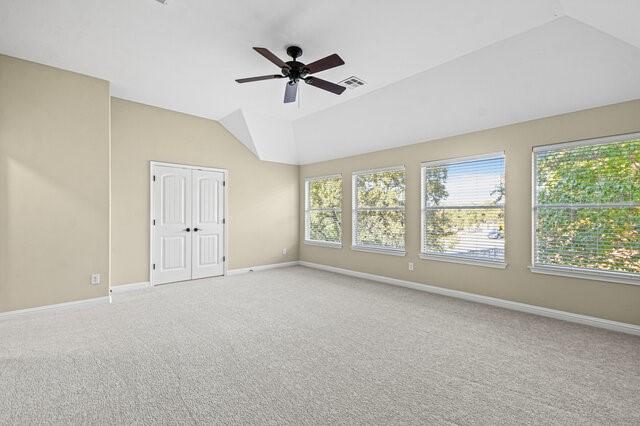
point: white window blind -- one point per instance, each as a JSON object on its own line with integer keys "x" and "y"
{"x": 586, "y": 210}
{"x": 379, "y": 209}
{"x": 323, "y": 210}
{"x": 463, "y": 203}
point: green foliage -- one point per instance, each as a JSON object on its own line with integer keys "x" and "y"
{"x": 606, "y": 237}
{"x": 325, "y": 193}
{"x": 590, "y": 174}
{"x": 381, "y": 189}
{"x": 475, "y": 218}
{"x": 602, "y": 238}
{"x": 381, "y": 228}
{"x": 440, "y": 233}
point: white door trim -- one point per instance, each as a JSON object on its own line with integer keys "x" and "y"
{"x": 153, "y": 164}
{"x": 186, "y": 166}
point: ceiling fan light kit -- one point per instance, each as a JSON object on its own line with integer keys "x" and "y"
{"x": 295, "y": 71}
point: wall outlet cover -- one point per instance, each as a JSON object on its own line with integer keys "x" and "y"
{"x": 95, "y": 279}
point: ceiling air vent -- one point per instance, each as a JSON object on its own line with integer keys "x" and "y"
{"x": 352, "y": 82}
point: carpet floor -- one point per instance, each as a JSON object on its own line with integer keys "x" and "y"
{"x": 301, "y": 346}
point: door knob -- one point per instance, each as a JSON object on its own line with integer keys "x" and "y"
{"x": 188, "y": 229}
{"x": 195, "y": 229}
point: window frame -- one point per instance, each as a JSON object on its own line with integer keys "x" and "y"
{"x": 468, "y": 260}
{"x": 308, "y": 210}
{"x": 354, "y": 212}
{"x": 571, "y": 271}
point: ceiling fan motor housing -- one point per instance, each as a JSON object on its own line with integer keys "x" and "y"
{"x": 295, "y": 70}
{"x": 294, "y": 51}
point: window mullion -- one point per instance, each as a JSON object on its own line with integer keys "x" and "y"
{"x": 380, "y": 209}
{"x": 587, "y": 205}
{"x": 464, "y": 207}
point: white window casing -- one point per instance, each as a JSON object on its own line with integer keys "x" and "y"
{"x": 463, "y": 210}
{"x": 334, "y": 211}
{"x": 593, "y": 230}
{"x": 359, "y": 241}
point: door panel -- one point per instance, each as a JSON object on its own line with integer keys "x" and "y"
{"x": 208, "y": 240}
{"x": 208, "y": 249}
{"x": 172, "y": 213}
{"x": 208, "y": 193}
{"x": 173, "y": 253}
{"x": 173, "y": 199}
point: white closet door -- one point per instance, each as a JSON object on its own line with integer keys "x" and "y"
{"x": 208, "y": 224}
{"x": 172, "y": 230}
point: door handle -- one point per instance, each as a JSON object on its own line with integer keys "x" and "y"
{"x": 188, "y": 229}
{"x": 195, "y": 229}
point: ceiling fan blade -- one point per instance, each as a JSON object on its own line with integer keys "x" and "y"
{"x": 290, "y": 92}
{"x": 262, "y": 77}
{"x": 330, "y": 61}
{"x": 270, "y": 56}
{"x": 326, "y": 85}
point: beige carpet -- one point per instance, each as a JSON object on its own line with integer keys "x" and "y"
{"x": 299, "y": 346}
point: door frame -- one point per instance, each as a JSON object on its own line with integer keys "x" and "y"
{"x": 225, "y": 193}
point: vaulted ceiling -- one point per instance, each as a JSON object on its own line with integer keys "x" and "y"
{"x": 433, "y": 68}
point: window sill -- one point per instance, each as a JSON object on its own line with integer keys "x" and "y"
{"x": 323, "y": 244}
{"x": 613, "y": 277}
{"x": 387, "y": 251}
{"x": 464, "y": 261}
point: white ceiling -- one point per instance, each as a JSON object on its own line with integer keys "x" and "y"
{"x": 433, "y": 67}
{"x": 559, "y": 67}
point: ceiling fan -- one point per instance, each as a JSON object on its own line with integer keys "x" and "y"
{"x": 296, "y": 71}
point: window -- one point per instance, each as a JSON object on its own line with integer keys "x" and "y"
{"x": 378, "y": 210}
{"x": 323, "y": 210}
{"x": 586, "y": 208}
{"x": 463, "y": 210}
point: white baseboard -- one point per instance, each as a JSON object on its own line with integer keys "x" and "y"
{"x": 123, "y": 288}
{"x": 502, "y": 303}
{"x": 261, "y": 267}
{"x": 59, "y": 306}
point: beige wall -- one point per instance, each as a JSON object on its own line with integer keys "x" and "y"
{"x": 54, "y": 185}
{"x": 54, "y": 196}
{"x": 607, "y": 300}
{"x": 263, "y": 196}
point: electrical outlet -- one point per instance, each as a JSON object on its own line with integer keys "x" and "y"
{"x": 284, "y": 251}
{"x": 95, "y": 279}
{"x": 411, "y": 266}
